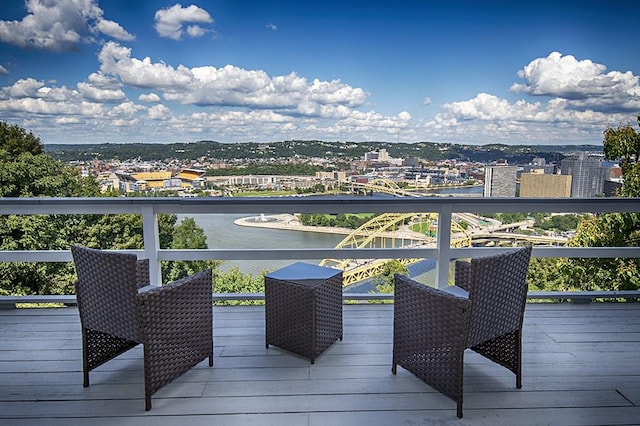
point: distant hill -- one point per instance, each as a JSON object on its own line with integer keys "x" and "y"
{"x": 309, "y": 149}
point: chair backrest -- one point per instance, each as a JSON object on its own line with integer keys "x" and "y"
{"x": 498, "y": 292}
{"x": 106, "y": 292}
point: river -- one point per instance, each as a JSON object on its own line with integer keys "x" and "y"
{"x": 223, "y": 233}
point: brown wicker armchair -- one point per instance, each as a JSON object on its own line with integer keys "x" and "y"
{"x": 484, "y": 312}
{"x": 118, "y": 311}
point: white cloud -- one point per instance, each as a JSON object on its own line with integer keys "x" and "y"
{"x": 229, "y": 85}
{"x": 583, "y": 83}
{"x": 170, "y": 22}
{"x": 196, "y": 31}
{"x": 25, "y": 88}
{"x": 95, "y": 94}
{"x": 113, "y": 30}
{"x": 126, "y": 109}
{"x": 116, "y": 61}
{"x": 59, "y": 25}
{"x": 67, "y": 120}
{"x": 3, "y": 70}
{"x": 564, "y": 101}
{"x": 271, "y": 26}
{"x": 149, "y": 97}
{"x": 159, "y": 112}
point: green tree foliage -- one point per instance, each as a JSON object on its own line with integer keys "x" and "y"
{"x": 611, "y": 229}
{"x": 623, "y": 144}
{"x": 26, "y": 172}
{"x": 234, "y": 281}
{"x": 187, "y": 235}
{"x": 384, "y": 282}
{"x": 562, "y": 222}
{"x": 15, "y": 140}
{"x": 545, "y": 274}
{"x": 341, "y": 220}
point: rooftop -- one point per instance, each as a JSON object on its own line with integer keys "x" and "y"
{"x": 580, "y": 367}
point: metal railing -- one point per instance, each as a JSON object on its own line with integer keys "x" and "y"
{"x": 149, "y": 208}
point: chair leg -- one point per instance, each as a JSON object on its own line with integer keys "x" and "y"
{"x": 459, "y": 409}
{"x": 85, "y": 360}
{"x": 210, "y": 360}
{"x": 147, "y": 402}
{"x": 394, "y": 368}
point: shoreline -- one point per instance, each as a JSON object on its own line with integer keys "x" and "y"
{"x": 288, "y": 222}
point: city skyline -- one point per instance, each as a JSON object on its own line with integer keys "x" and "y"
{"x": 84, "y": 71}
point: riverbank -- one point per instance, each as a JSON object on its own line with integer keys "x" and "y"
{"x": 287, "y": 222}
{"x": 290, "y": 222}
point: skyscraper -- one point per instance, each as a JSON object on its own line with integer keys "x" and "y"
{"x": 500, "y": 181}
{"x": 587, "y": 176}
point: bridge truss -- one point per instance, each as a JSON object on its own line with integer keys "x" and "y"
{"x": 391, "y": 230}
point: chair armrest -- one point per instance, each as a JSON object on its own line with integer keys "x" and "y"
{"x": 181, "y": 302}
{"x": 462, "y": 277}
{"x": 429, "y": 315}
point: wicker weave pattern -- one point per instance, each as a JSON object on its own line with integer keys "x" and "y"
{"x": 433, "y": 328}
{"x": 303, "y": 318}
{"x": 173, "y": 322}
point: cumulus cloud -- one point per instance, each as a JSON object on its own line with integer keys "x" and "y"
{"x": 3, "y": 70}
{"x": 159, "y": 112}
{"x": 170, "y": 22}
{"x": 96, "y": 94}
{"x": 273, "y": 27}
{"x": 229, "y": 85}
{"x": 426, "y": 101}
{"x": 149, "y": 97}
{"x": 117, "y": 61}
{"x": 113, "y": 30}
{"x": 60, "y": 25}
{"x": 583, "y": 83}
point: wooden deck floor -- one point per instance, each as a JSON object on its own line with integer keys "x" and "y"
{"x": 580, "y": 368}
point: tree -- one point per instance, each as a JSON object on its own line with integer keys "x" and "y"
{"x": 25, "y": 171}
{"x": 187, "y": 235}
{"x": 384, "y": 281}
{"x": 611, "y": 229}
{"x": 623, "y": 144}
{"x": 15, "y": 140}
{"x": 234, "y": 281}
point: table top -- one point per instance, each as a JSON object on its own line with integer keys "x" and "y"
{"x": 303, "y": 272}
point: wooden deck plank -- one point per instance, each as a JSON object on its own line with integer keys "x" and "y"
{"x": 578, "y": 369}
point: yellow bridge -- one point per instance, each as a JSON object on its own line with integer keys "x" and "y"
{"x": 395, "y": 230}
{"x": 391, "y": 230}
{"x": 382, "y": 185}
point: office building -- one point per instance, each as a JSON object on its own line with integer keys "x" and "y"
{"x": 587, "y": 176}
{"x": 500, "y": 181}
{"x": 545, "y": 185}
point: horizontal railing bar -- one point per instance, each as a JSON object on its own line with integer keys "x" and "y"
{"x": 533, "y": 295}
{"x": 329, "y": 204}
{"x": 288, "y": 254}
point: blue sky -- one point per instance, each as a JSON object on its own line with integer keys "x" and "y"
{"x": 472, "y": 72}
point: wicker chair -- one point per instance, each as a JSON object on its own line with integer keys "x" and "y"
{"x": 483, "y": 312}
{"x": 119, "y": 310}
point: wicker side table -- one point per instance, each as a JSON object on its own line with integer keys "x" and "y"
{"x": 303, "y": 308}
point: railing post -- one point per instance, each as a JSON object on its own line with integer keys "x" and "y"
{"x": 443, "y": 245}
{"x": 151, "y": 237}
